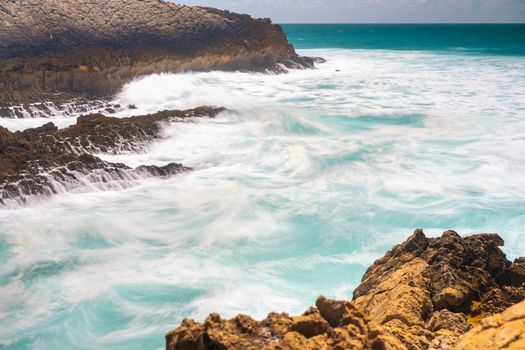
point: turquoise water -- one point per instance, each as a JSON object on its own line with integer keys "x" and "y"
{"x": 305, "y": 181}
{"x": 491, "y": 39}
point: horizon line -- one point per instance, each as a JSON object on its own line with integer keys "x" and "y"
{"x": 394, "y": 23}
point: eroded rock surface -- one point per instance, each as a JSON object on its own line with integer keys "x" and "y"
{"x": 54, "y": 50}
{"x": 46, "y": 160}
{"x": 423, "y": 294}
{"x": 502, "y": 331}
{"x": 429, "y": 287}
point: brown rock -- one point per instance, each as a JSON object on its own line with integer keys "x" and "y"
{"x": 7, "y": 138}
{"x": 399, "y": 295}
{"x": 309, "y": 325}
{"x": 426, "y": 283}
{"x": 447, "y": 320}
{"x": 311, "y": 331}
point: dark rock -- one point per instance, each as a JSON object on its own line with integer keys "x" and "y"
{"x": 7, "y": 138}
{"x": 46, "y": 160}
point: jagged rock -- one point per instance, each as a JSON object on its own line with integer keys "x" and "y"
{"x": 55, "y": 50}
{"x": 424, "y": 294}
{"x": 502, "y": 331}
{"x": 46, "y": 160}
{"x": 421, "y": 281}
{"x": 333, "y": 325}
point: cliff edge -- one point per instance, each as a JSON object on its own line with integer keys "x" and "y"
{"x": 54, "y": 50}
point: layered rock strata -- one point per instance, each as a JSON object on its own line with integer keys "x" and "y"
{"x": 426, "y": 293}
{"x": 58, "y": 50}
{"x": 46, "y": 160}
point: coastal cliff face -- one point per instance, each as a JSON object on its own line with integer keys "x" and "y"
{"x": 46, "y": 160}
{"x": 54, "y": 50}
{"x": 427, "y": 293}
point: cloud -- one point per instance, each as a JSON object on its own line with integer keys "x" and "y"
{"x": 376, "y": 10}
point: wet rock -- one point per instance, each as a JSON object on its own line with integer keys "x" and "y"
{"x": 53, "y": 50}
{"x": 45, "y": 160}
{"x": 57, "y": 105}
{"x": 7, "y": 138}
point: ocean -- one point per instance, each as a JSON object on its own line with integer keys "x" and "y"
{"x": 306, "y": 180}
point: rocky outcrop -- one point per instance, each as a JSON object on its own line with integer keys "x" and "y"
{"x": 45, "y": 160}
{"x": 427, "y": 282}
{"x": 423, "y": 294}
{"x": 56, "y": 50}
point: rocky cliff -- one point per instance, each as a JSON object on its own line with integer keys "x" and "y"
{"x": 427, "y": 293}
{"x": 60, "y": 49}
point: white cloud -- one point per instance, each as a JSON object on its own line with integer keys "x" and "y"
{"x": 376, "y": 10}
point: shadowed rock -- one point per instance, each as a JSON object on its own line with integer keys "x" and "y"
{"x": 423, "y": 294}
{"x": 45, "y": 160}
{"x": 56, "y": 50}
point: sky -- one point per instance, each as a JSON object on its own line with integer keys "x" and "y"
{"x": 375, "y": 11}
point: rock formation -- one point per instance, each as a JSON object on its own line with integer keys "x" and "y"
{"x": 55, "y": 50}
{"x": 423, "y": 294}
{"x": 427, "y": 287}
{"x": 45, "y": 160}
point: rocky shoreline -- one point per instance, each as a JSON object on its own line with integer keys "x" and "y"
{"x": 45, "y": 160}
{"x": 51, "y": 50}
{"x": 449, "y": 292}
